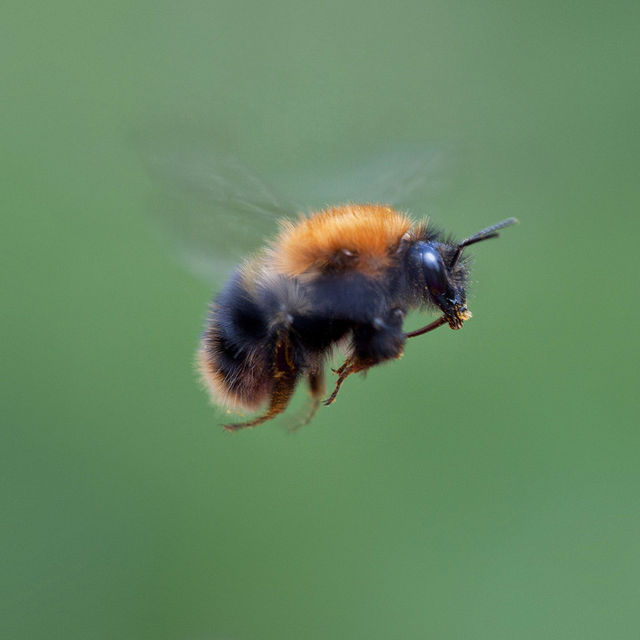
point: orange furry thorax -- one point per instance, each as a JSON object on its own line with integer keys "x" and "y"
{"x": 360, "y": 236}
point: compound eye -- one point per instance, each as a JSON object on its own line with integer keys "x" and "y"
{"x": 434, "y": 271}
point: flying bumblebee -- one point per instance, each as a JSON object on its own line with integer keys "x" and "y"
{"x": 343, "y": 276}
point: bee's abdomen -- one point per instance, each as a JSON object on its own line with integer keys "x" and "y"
{"x": 235, "y": 355}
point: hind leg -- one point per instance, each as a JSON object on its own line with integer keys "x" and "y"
{"x": 285, "y": 375}
{"x": 280, "y": 397}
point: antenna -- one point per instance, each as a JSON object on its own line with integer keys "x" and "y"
{"x": 485, "y": 234}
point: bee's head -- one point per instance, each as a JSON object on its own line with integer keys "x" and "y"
{"x": 442, "y": 276}
{"x": 441, "y": 282}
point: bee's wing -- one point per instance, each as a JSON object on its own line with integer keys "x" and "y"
{"x": 214, "y": 211}
{"x": 404, "y": 178}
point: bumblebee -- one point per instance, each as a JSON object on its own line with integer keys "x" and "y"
{"x": 344, "y": 276}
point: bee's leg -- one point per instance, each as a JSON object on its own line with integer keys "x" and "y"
{"x": 340, "y": 369}
{"x": 317, "y": 390}
{"x": 316, "y": 384}
{"x": 379, "y": 341}
{"x": 285, "y": 375}
{"x": 280, "y": 396}
{"x": 351, "y": 365}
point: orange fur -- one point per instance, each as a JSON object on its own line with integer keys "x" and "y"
{"x": 370, "y": 232}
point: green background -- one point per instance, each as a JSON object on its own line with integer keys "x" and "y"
{"x": 485, "y": 486}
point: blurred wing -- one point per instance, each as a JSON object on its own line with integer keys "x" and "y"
{"x": 404, "y": 178}
{"x": 216, "y": 212}
{"x": 213, "y": 210}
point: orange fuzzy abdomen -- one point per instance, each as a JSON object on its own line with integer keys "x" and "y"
{"x": 363, "y": 237}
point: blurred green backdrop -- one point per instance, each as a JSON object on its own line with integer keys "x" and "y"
{"x": 486, "y": 486}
